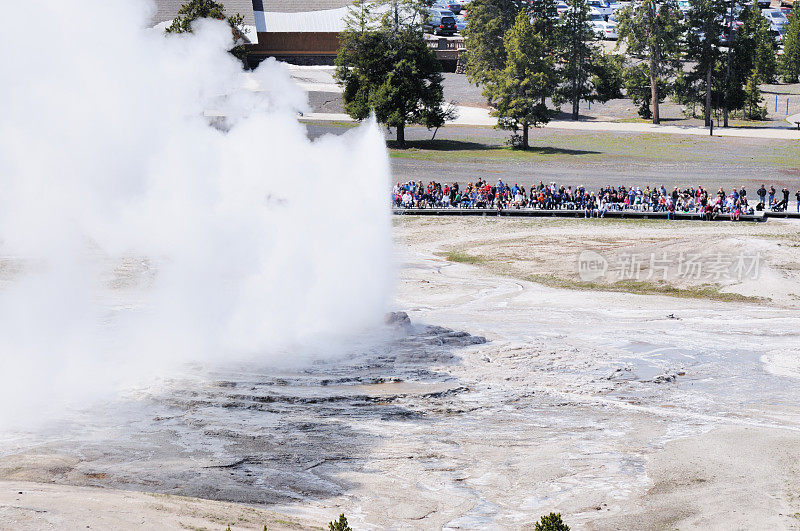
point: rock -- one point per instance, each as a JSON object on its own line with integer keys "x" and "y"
{"x": 397, "y": 319}
{"x": 664, "y": 378}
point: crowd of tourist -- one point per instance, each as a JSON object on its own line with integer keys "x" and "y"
{"x": 551, "y": 196}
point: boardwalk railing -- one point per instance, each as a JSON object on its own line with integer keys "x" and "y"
{"x": 574, "y": 213}
{"x": 447, "y": 48}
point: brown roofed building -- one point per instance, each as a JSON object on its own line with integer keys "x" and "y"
{"x": 298, "y": 31}
{"x": 295, "y": 31}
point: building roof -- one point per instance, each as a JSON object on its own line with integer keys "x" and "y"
{"x": 327, "y": 21}
{"x": 298, "y": 6}
{"x": 167, "y": 10}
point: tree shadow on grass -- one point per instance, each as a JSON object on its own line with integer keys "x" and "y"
{"x": 463, "y": 145}
{"x": 562, "y": 116}
{"x": 444, "y": 145}
{"x": 550, "y": 150}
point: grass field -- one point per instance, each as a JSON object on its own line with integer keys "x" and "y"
{"x": 706, "y": 291}
{"x": 579, "y": 158}
{"x": 587, "y": 147}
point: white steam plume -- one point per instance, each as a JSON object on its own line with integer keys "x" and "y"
{"x": 133, "y": 235}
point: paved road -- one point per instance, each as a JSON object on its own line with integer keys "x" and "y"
{"x": 325, "y": 98}
{"x": 481, "y": 117}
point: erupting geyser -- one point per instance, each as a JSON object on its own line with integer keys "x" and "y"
{"x": 134, "y": 235}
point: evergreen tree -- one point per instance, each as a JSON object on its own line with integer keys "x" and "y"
{"x": 551, "y": 522}
{"x": 705, "y": 25}
{"x": 196, "y": 9}
{"x": 360, "y": 17}
{"x": 766, "y": 61}
{"x": 687, "y": 92}
{"x": 544, "y": 16}
{"x": 340, "y": 524}
{"x": 386, "y": 67}
{"x": 752, "y": 50}
{"x": 638, "y": 88}
{"x": 753, "y": 110}
{"x": 518, "y": 91}
{"x": 607, "y": 76}
{"x": 790, "y": 60}
{"x": 584, "y": 72}
{"x": 754, "y": 47}
{"x": 652, "y": 31}
{"x": 489, "y": 21}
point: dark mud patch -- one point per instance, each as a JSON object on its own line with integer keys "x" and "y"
{"x": 254, "y": 436}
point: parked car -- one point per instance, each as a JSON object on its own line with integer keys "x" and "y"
{"x": 600, "y": 6}
{"x": 779, "y": 33}
{"x": 735, "y": 24}
{"x": 776, "y": 18}
{"x": 603, "y": 28}
{"x": 455, "y": 7}
{"x": 723, "y": 37}
{"x": 461, "y": 22}
{"x": 441, "y": 21}
{"x": 764, "y": 4}
{"x": 616, "y": 5}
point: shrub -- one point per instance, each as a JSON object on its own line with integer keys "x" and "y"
{"x": 339, "y": 525}
{"x": 551, "y": 522}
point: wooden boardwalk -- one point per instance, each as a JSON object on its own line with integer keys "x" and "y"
{"x": 574, "y": 213}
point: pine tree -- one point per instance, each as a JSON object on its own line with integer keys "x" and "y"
{"x": 584, "y": 72}
{"x": 790, "y": 60}
{"x": 489, "y": 21}
{"x": 686, "y": 92}
{"x": 360, "y": 17}
{"x": 766, "y": 64}
{"x": 652, "y": 31}
{"x": 607, "y": 76}
{"x": 637, "y": 86}
{"x": 754, "y": 48}
{"x": 544, "y": 17}
{"x": 340, "y": 524}
{"x": 518, "y": 91}
{"x": 704, "y": 27}
{"x": 753, "y": 110}
{"x": 387, "y": 68}
{"x": 196, "y": 9}
{"x": 551, "y": 522}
